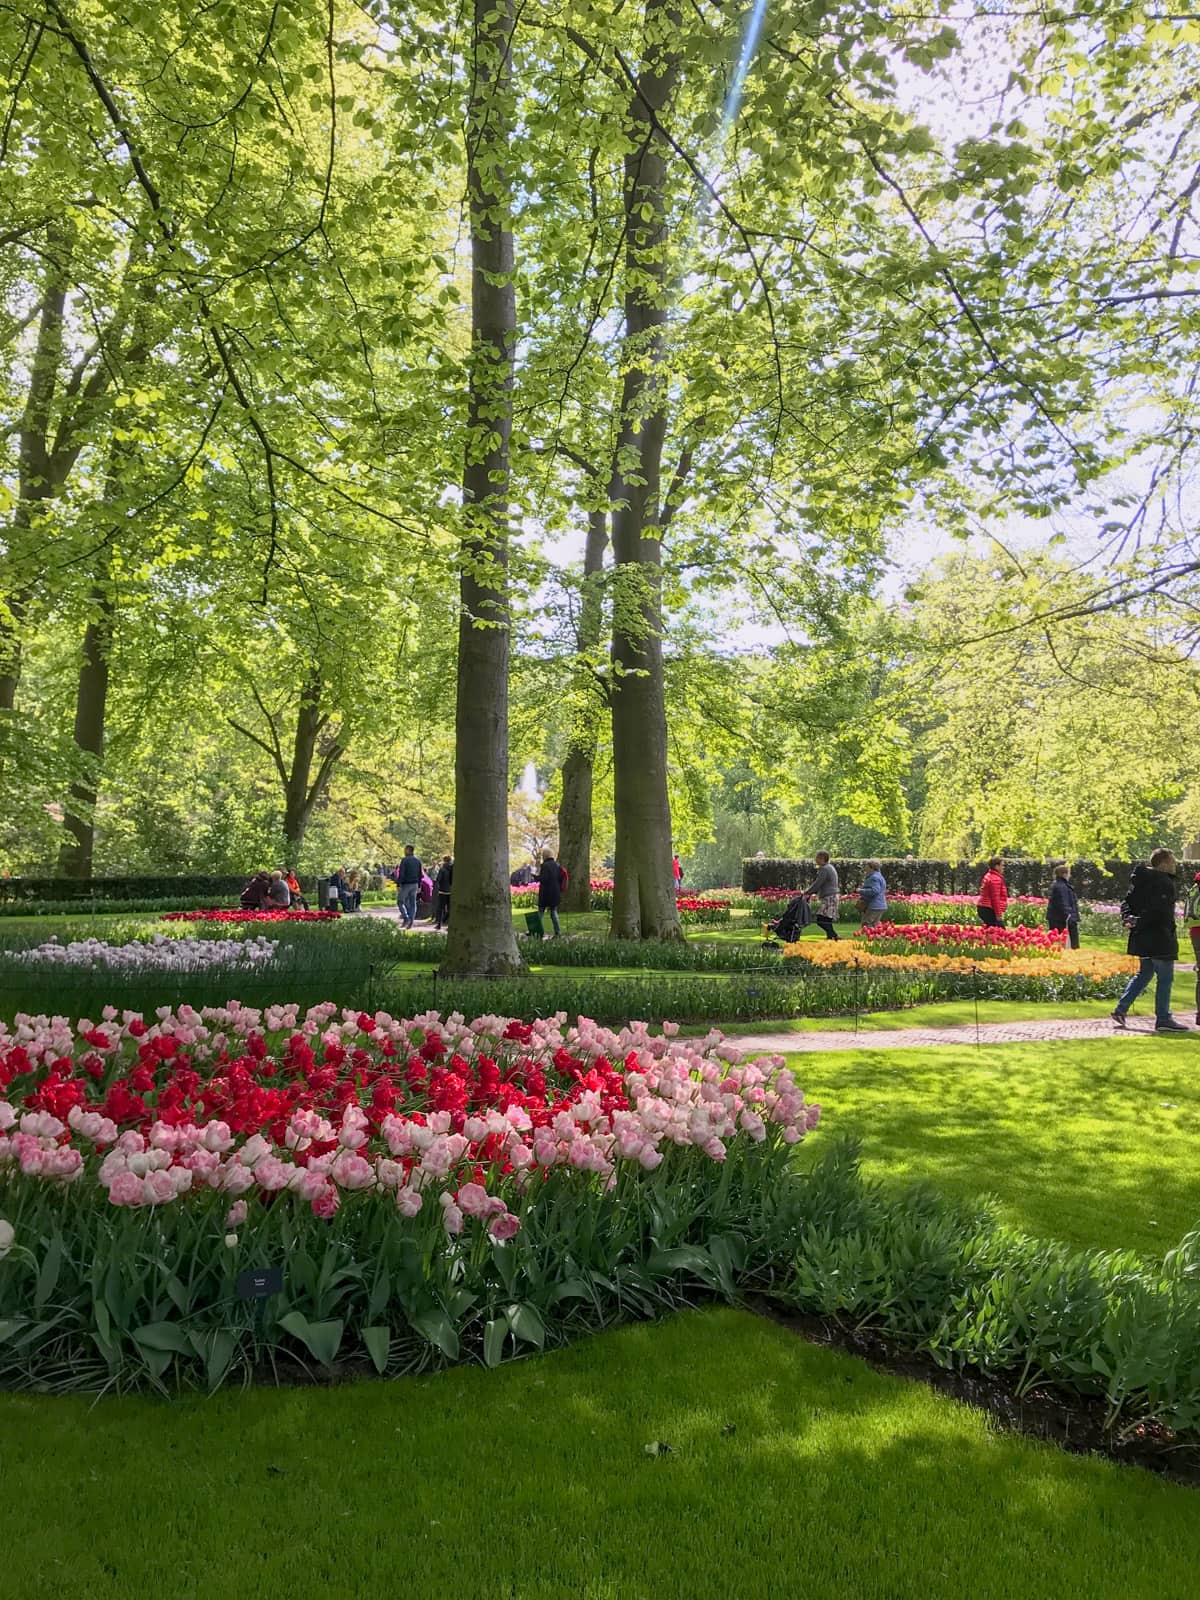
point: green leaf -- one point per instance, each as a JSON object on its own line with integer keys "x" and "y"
{"x": 494, "y": 1334}
{"x": 526, "y": 1323}
{"x": 571, "y": 1289}
{"x": 685, "y": 1258}
{"x": 321, "y": 1339}
{"x": 163, "y": 1336}
{"x": 378, "y": 1341}
{"x": 10, "y": 1326}
{"x": 436, "y": 1326}
{"x": 157, "y": 1361}
{"x": 48, "y": 1275}
{"x": 381, "y": 1291}
{"x": 221, "y": 1347}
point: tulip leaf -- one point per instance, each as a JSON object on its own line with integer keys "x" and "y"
{"x": 48, "y": 1274}
{"x": 163, "y": 1336}
{"x": 378, "y": 1341}
{"x": 321, "y": 1339}
{"x": 526, "y": 1323}
{"x": 494, "y": 1334}
{"x": 436, "y": 1326}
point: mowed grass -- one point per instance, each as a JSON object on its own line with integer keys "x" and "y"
{"x": 937, "y": 1014}
{"x": 1090, "y": 1141}
{"x": 793, "y": 1471}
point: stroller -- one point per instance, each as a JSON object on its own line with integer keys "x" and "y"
{"x": 796, "y": 916}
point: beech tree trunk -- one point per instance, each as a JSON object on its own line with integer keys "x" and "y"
{"x": 481, "y": 941}
{"x": 36, "y": 476}
{"x": 301, "y": 790}
{"x": 578, "y": 773}
{"x": 76, "y": 855}
{"x": 644, "y": 896}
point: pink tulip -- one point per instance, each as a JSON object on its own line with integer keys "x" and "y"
{"x": 125, "y": 1190}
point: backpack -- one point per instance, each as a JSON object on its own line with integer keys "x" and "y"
{"x": 1191, "y": 905}
{"x": 563, "y": 878}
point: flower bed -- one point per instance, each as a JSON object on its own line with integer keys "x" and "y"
{"x": 701, "y": 913}
{"x": 1098, "y": 967}
{"x": 1028, "y": 911}
{"x": 959, "y": 939}
{"x": 216, "y": 914}
{"x": 429, "y": 1188}
{"x": 159, "y": 954}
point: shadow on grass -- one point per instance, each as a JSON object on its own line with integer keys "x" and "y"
{"x": 791, "y": 1471}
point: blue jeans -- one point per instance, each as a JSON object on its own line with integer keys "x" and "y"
{"x": 407, "y": 901}
{"x": 1149, "y": 968}
{"x": 552, "y": 912}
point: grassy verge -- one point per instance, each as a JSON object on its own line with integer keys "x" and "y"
{"x": 1088, "y": 1141}
{"x": 792, "y": 1470}
{"x": 938, "y": 1014}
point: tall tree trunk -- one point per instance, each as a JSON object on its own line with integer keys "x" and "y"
{"x": 481, "y": 941}
{"x": 578, "y": 773}
{"x": 36, "y": 478}
{"x": 644, "y": 897}
{"x": 91, "y": 699}
{"x": 301, "y": 790}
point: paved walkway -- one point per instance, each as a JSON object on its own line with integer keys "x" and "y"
{"x": 960, "y": 1034}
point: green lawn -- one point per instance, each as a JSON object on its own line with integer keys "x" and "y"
{"x": 1091, "y": 1141}
{"x": 794, "y": 1472}
{"x": 938, "y": 1014}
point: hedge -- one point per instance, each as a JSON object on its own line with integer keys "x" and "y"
{"x": 196, "y": 888}
{"x": 1093, "y": 880}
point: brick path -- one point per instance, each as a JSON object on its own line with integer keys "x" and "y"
{"x": 960, "y": 1034}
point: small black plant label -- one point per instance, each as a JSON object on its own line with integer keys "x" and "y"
{"x": 259, "y": 1282}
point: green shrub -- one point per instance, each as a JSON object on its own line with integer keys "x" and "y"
{"x": 949, "y": 1280}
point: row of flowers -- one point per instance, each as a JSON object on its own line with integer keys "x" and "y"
{"x": 695, "y": 911}
{"x": 1095, "y": 965}
{"x": 468, "y": 1116}
{"x": 217, "y": 914}
{"x": 956, "y": 938}
{"x": 774, "y": 895}
{"x": 158, "y": 954}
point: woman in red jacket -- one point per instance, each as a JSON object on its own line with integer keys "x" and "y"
{"x": 993, "y": 895}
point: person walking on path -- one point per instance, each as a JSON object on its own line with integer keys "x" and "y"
{"x": 279, "y": 896}
{"x": 993, "y": 895}
{"x": 1148, "y": 911}
{"x": 677, "y": 872}
{"x": 1191, "y": 912}
{"x": 1062, "y": 908}
{"x": 408, "y": 885}
{"x": 442, "y": 883}
{"x": 550, "y": 888}
{"x": 872, "y": 896}
{"x": 824, "y": 890}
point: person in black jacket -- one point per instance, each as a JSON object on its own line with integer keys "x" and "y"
{"x": 442, "y": 884}
{"x": 408, "y": 885}
{"x": 550, "y": 889}
{"x": 254, "y": 896}
{"x": 1149, "y": 913}
{"x": 1062, "y": 910}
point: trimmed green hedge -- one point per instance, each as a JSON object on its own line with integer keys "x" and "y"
{"x": 1093, "y": 880}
